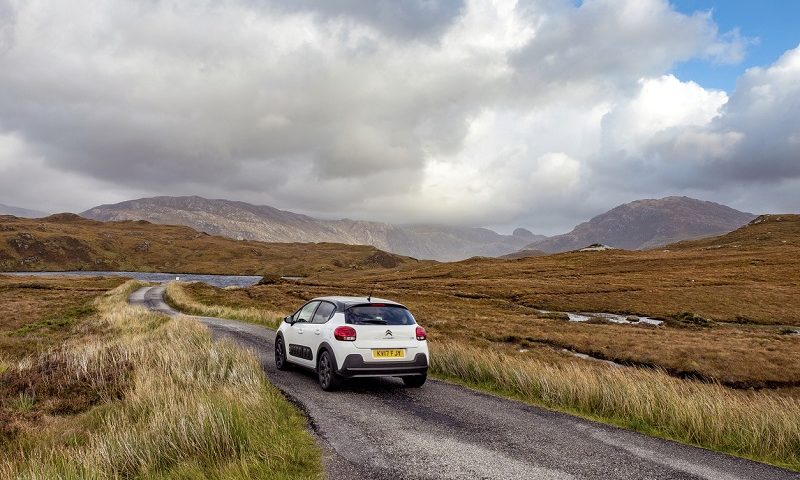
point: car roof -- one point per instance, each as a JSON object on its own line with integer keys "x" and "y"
{"x": 343, "y": 303}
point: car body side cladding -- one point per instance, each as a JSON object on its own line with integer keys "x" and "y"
{"x": 324, "y": 346}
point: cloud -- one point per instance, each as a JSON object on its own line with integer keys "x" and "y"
{"x": 409, "y": 19}
{"x": 658, "y": 105}
{"x": 27, "y": 179}
{"x": 465, "y": 112}
{"x": 751, "y": 142}
{"x": 604, "y": 45}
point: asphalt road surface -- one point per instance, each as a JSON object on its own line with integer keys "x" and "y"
{"x": 377, "y": 429}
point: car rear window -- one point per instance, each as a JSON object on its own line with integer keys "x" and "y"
{"x": 379, "y": 315}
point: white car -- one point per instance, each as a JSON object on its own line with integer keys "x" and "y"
{"x": 347, "y": 337}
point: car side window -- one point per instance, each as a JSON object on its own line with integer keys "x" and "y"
{"x": 305, "y": 313}
{"x": 324, "y": 312}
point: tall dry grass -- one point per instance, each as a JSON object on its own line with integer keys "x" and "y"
{"x": 761, "y": 426}
{"x": 177, "y": 298}
{"x": 193, "y": 408}
{"x": 757, "y": 425}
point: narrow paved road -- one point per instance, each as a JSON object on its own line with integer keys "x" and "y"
{"x": 376, "y": 429}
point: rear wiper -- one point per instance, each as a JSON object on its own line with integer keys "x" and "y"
{"x": 375, "y": 322}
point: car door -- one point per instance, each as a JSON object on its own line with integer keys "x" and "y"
{"x": 316, "y": 333}
{"x": 298, "y": 336}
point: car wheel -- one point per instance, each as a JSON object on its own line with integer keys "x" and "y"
{"x": 415, "y": 381}
{"x": 280, "y": 355}
{"x": 328, "y": 378}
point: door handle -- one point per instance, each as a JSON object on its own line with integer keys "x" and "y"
{"x": 316, "y": 332}
{"x": 300, "y": 331}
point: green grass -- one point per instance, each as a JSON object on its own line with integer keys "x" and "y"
{"x": 23, "y": 403}
{"x": 61, "y": 320}
{"x": 174, "y": 404}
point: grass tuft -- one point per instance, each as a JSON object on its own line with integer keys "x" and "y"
{"x": 23, "y": 402}
{"x": 759, "y": 426}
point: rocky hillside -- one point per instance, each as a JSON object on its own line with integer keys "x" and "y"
{"x": 241, "y": 220}
{"x": 649, "y": 223}
{"x": 69, "y": 242}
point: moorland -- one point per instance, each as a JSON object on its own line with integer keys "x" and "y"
{"x": 65, "y": 242}
{"x": 91, "y": 387}
{"x": 729, "y": 303}
{"x": 722, "y": 370}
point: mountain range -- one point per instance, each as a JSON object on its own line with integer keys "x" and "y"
{"x": 649, "y": 223}
{"x": 20, "y": 212}
{"x": 244, "y": 221}
{"x": 637, "y": 225}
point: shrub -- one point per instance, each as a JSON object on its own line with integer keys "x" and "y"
{"x": 270, "y": 279}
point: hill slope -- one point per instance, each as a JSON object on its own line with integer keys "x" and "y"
{"x": 649, "y": 223}
{"x": 252, "y": 222}
{"x": 69, "y": 242}
{"x": 20, "y": 212}
{"x": 763, "y": 232}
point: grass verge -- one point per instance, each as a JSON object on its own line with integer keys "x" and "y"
{"x": 178, "y": 299}
{"x": 163, "y": 401}
{"x": 759, "y": 426}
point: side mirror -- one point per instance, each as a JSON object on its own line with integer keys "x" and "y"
{"x": 288, "y": 319}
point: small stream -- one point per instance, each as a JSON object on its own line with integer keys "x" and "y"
{"x": 611, "y": 317}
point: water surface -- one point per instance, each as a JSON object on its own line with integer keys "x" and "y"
{"x": 214, "y": 280}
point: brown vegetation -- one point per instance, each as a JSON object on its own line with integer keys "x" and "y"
{"x": 751, "y": 275}
{"x": 37, "y": 314}
{"x": 68, "y": 242}
{"x": 725, "y": 300}
{"x": 484, "y": 344}
{"x": 145, "y": 397}
{"x": 740, "y": 356}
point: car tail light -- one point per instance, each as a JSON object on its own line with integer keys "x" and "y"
{"x": 345, "y": 334}
{"x": 421, "y": 335}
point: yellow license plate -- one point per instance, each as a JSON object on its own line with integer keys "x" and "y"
{"x": 389, "y": 353}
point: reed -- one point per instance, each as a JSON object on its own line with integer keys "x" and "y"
{"x": 760, "y": 426}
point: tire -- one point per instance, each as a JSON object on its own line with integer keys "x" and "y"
{"x": 415, "y": 381}
{"x": 280, "y": 355}
{"x": 329, "y": 380}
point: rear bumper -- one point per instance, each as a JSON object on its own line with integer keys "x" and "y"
{"x": 354, "y": 366}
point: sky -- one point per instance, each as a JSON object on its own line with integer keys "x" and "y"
{"x": 532, "y": 113}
